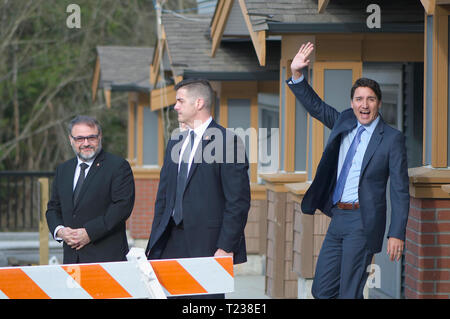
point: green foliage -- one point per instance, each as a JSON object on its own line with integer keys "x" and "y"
{"x": 46, "y": 74}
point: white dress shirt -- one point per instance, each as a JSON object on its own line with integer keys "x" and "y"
{"x": 199, "y": 131}
{"x": 75, "y": 180}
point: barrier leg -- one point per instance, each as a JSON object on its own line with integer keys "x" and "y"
{"x": 149, "y": 278}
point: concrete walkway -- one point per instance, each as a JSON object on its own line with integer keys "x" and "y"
{"x": 248, "y": 287}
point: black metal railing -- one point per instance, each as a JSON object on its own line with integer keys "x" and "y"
{"x": 20, "y": 200}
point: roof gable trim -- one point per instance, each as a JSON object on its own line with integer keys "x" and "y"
{"x": 219, "y": 22}
{"x": 322, "y": 5}
{"x": 258, "y": 37}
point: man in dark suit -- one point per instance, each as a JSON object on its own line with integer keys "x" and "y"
{"x": 362, "y": 152}
{"x": 203, "y": 196}
{"x": 92, "y": 197}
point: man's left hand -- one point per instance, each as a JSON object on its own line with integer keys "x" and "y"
{"x": 81, "y": 238}
{"x": 221, "y": 253}
{"x": 395, "y": 248}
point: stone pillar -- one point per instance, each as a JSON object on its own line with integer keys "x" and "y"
{"x": 256, "y": 229}
{"x": 281, "y": 281}
{"x": 309, "y": 233}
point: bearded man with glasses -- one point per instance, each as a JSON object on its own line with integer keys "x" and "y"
{"x": 92, "y": 197}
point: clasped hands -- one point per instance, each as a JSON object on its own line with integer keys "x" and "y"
{"x": 75, "y": 238}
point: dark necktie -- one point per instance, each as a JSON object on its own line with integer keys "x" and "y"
{"x": 80, "y": 182}
{"x": 346, "y": 166}
{"x": 181, "y": 180}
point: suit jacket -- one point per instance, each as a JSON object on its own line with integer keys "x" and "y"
{"x": 216, "y": 199}
{"x": 104, "y": 204}
{"x": 385, "y": 157}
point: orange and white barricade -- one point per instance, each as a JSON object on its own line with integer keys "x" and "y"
{"x": 135, "y": 278}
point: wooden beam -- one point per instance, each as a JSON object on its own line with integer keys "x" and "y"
{"x": 322, "y": 5}
{"x": 107, "y": 93}
{"x": 156, "y": 62}
{"x": 429, "y": 6}
{"x": 158, "y": 57}
{"x": 144, "y": 98}
{"x": 219, "y": 23}
{"x": 289, "y": 127}
{"x": 217, "y": 16}
{"x": 258, "y": 38}
{"x": 43, "y": 227}
{"x": 140, "y": 135}
{"x": 96, "y": 79}
{"x": 440, "y": 88}
{"x": 406, "y": 47}
{"x": 160, "y": 138}
{"x": 268, "y": 87}
{"x": 164, "y": 97}
{"x": 253, "y": 149}
{"x": 131, "y": 127}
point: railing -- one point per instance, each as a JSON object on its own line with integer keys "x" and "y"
{"x": 20, "y": 200}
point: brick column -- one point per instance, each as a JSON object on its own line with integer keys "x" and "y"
{"x": 427, "y": 254}
{"x": 146, "y": 183}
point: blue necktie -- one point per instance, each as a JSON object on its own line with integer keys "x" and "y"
{"x": 339, "y": 189}
{"x": 182, "y": 179}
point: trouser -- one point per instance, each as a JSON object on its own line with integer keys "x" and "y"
{"x": 341, "y": 270}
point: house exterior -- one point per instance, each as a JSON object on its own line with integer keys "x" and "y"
{"x": 245, "y": 49}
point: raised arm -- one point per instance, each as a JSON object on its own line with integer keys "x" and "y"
{"x": 313, "y": 104}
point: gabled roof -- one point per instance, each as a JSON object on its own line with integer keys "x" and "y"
{"x": 266, "y": 15}
{"x": 124, "y": 68}
{"x": 264, "y": 18}
{"x": 188, "y": 47}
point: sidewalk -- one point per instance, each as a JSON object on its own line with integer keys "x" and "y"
{"x": 248, "y": 287}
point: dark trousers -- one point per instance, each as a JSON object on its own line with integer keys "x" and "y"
{"x": 176, "y": 247}
{"x": 341, "y": 270}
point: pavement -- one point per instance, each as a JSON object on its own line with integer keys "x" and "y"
{"x": 248, "y": 287}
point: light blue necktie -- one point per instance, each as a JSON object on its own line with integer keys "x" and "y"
{"x": 339, "y": 189}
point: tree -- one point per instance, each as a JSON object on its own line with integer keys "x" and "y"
{"x": 46, "y": 71}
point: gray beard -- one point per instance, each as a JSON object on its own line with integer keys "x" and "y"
{"x": 84, "y": 158}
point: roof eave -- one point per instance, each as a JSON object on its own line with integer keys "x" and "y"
{"x": 280, "y": 27}
{"x": 233, "y": 76}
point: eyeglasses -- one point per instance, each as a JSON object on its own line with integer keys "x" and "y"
{"x": 90, "y": 138}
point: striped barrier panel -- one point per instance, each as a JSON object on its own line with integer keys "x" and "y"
{"x": 184, "y": 276}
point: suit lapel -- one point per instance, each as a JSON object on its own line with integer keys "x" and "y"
{"x": 345, "y": 124}
{"x": 198, "y": 157}
{"x": 96, "y": 166}
{"x": 375, "y": 140}
{"x": 69, "y": 175}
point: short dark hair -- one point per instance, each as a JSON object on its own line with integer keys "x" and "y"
{"x": 84, "y": 119}
{"x": 369, "y": 83}
{"x": 200, "y": 87}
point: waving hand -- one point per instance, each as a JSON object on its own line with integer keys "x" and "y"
{"x": 301, "y": 59}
